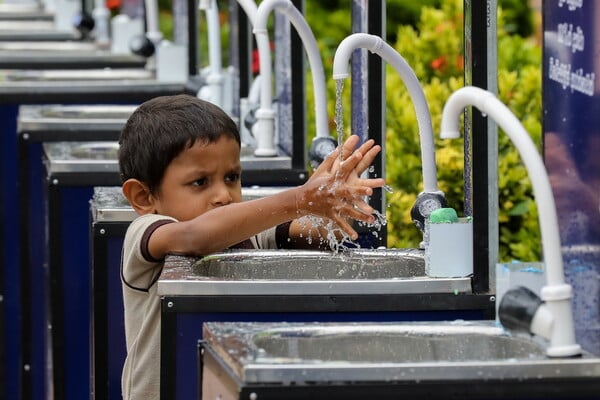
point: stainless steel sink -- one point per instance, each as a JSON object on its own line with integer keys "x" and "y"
{"x": 89, "y": 75}
{"x": 312, "y": 265}
{"x": 304, "y": 272}
{"x": 393, "y": 343}
{"x": 121, "y": 112}
{"x": 407, "y": 351}
{"x": 95, "y": 151}
{"x": 27, "y": 26}
{"x": 73, "y": 118}
{"x": 51, "y": 46}
{"x": 70, "y": 157}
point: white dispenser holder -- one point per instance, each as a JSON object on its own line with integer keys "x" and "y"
{"x": 124, "y": 29}
{"x": 171, "y": 62}
{"x": 449, "y": 249}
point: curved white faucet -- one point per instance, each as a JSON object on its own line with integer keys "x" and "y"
{"x": 378, "y": 46}
{"x": 250, "y": 8}
{"x": 556, "y": 294}
{"x": 265, "y": 114}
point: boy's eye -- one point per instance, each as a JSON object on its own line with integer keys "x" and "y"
{"x": 200, "y": 182}
{"x": 233, "y": 177}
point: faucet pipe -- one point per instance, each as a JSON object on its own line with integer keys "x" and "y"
{"x": 250, "y": 8}
{"x": 312, "y": 51}
{"x": 215, "y": 78}
{"x": 101, "y": 17}
{"x": 556, "y": 294}
{"x": 378, "y": 46}
{"x": 152, "y": 28}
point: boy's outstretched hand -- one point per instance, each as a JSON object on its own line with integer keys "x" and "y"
{"x": 336, "y": 190}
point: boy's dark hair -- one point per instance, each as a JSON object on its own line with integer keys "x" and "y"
{"x": 161, "y": 128}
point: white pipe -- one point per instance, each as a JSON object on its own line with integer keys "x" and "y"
{"x": 264, "y": 128}
{"x": 152, "y": 28}
{"x": 556, "y": 294}
{"x": 378, "y": 46}
{"x": 312, "y": 50}
{"x": 101, "y": 17}
{"x": 215, "y": 78}
{"x": 254, "y": 92}
{"x": 250, "y": 8}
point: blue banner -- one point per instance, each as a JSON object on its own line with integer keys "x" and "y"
{"x": 571, "y": 121}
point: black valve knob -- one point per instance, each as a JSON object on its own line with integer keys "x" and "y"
{"x": 142, "y": 46}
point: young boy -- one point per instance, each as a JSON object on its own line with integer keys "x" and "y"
{"x": 179, "y": 159}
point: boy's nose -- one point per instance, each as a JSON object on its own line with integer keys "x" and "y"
{"x": 222, "y": 196}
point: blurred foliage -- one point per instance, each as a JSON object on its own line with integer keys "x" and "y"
{"x": 518, "y": 18}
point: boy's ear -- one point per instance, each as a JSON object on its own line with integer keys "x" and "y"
{"x": 139, "y": 196}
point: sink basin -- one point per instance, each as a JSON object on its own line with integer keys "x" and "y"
{"x": 84, "y": 157}
{"x": 77, "y": 75}
{"x": 28, "y": 26}
{"x": 52, "y": 46}
{"x": 87, "y": 112}
{"x": 393, "y": 343}
{"x": 407, "y": 351}
{"x": 96, "y": 151}
{"x": 304, "y": 272}
{"x": 74, "y": 118}
{"x": 312, "y": 265}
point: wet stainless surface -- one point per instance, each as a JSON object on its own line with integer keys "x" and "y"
{"x": 407, "y": 351}
{"x": 304, "y": 272}
{"x": 35, "y": 29}
{"x": 81, "y": 157}
{"x": 24, "y": 12}
{"x": 27, "y": 26}
{"x": 89, "y": 76}
{"x": 108, "y": 204}
{"x": 57, "y": 117}
{"x": 18, "y": 8}
{"x": 311, "y": 265}
{"x": 49, "y": 46}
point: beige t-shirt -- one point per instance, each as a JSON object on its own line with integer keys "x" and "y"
{"x": 139, "y": 274}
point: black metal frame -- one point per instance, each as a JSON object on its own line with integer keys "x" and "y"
{"x": 25, "y": 141}
{"x": 54, "y": 183}
{"x": 376, "y": 107}
{"x": 478, "y": 70}
{"x": 101, "y": 233}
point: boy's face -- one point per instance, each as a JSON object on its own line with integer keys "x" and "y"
{"x": 202, "y": 177}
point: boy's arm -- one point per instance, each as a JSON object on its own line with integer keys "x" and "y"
{"x": 333, "y": 192}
